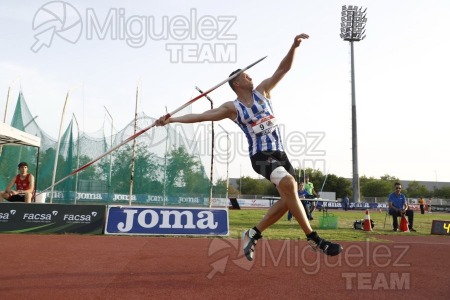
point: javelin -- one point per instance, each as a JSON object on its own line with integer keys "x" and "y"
{"x": 152, "y": 125}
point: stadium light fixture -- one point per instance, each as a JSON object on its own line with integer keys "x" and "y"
{"x": 353, "y": 24}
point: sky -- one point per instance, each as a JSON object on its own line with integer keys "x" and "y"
{"x": 102, "y": 51}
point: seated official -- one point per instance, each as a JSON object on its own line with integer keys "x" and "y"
{"x": 302, "y": 194}
{"x": 24, "y": 183}
{"x": 398, "y": 206}
{"x": 310, "y": 194}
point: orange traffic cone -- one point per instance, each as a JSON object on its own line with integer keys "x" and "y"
{"x": 367, "y": 224}
{"x": 404, "y": 224}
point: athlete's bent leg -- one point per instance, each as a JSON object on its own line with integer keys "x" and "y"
{"x": 287, "y": 187}
{"x": 288, "y": 191}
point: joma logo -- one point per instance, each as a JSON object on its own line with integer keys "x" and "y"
{"x": 168, "y": 219}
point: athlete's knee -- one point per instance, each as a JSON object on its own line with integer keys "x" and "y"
{"x": 280, "y": 176}
{"x": 288, "y": 183}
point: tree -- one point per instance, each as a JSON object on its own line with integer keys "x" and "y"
{"x": 390, "y": 179}
{"x": 376, "y": 188}
{"x": 270, "y": 189}
{"x": 46, "y": 166}
{"x": 340, "y": 185}
{"x": 417, "y": 190}
{"x": 88, "y": 173}
{"x": 373, "y": 187}
{"x": 184, "y": 174}
{"x": 251, "y": 186}
{"x": 197, "y": 183}
{"x": 146, "y": 171}
{"x": 220, "y": 188}
{"x": 443, "y": 192}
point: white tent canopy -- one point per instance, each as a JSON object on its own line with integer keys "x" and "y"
{"x": 12, "y": 136}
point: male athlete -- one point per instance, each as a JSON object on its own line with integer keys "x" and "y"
{"x": 252, "y": 112}
{"x": 24, "y": 183}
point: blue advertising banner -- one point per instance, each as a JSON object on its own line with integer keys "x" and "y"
{"x": 356, "y": 206}
{"x": 146, "y": 220}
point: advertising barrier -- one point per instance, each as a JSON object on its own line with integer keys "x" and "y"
{"x": 269, "y": 201}
{"x": 220, "y": 202}
{"x": 356, "y": 206}
{"x": 105, "y": 198}
{"x": 146, "y": 220}
{"x": 51, "y": 218}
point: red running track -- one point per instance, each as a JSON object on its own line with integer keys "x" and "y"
{"x": 123, "y": 267}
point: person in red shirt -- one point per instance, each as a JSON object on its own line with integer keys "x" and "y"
{"x": 24, "y": 183}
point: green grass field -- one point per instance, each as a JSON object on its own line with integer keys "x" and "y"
{"x": 247, "y": 218}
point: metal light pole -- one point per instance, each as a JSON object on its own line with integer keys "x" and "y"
{"x": 58, "y": 145}
{"x": 228, "y": 159}
{"x": 78, "y": 157}
{"x": 165, "y": 163}
{"x": 133, "y": 152}
{"x": 211, "y": 184}
{"x": 110, "y": 155}
{"x": 352, "y": 29}
{"x": 240, "y": 180}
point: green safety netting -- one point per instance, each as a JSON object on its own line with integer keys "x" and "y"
{"x": 168, "y": 165}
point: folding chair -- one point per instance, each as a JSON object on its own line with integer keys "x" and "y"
{"x": 386, "y": 216}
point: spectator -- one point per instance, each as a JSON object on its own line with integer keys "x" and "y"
{"x": 422, "y": 205}
{"x": 306, "y": 204}
{"x": 345, "y": 202}
{"x": 24, "y": 183}
{"x": 309, "y": 187}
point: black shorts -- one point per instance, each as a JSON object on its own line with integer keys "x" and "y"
{"x": 17, "y": 198}
{"x": 265, "y": 162}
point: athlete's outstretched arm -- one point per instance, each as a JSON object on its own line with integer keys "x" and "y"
{"x": 268, "y": 84}
{"x": 224, "y": 111}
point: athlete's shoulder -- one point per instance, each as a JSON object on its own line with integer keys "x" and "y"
{"x": 230, "y": 108}
{"x": 262, "y": 91}
{"x": 229, "y": 105}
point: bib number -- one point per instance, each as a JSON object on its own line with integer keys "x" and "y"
{"x": 265, "y": 125}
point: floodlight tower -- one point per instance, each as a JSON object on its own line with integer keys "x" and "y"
{"x": 353, "y": 23}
